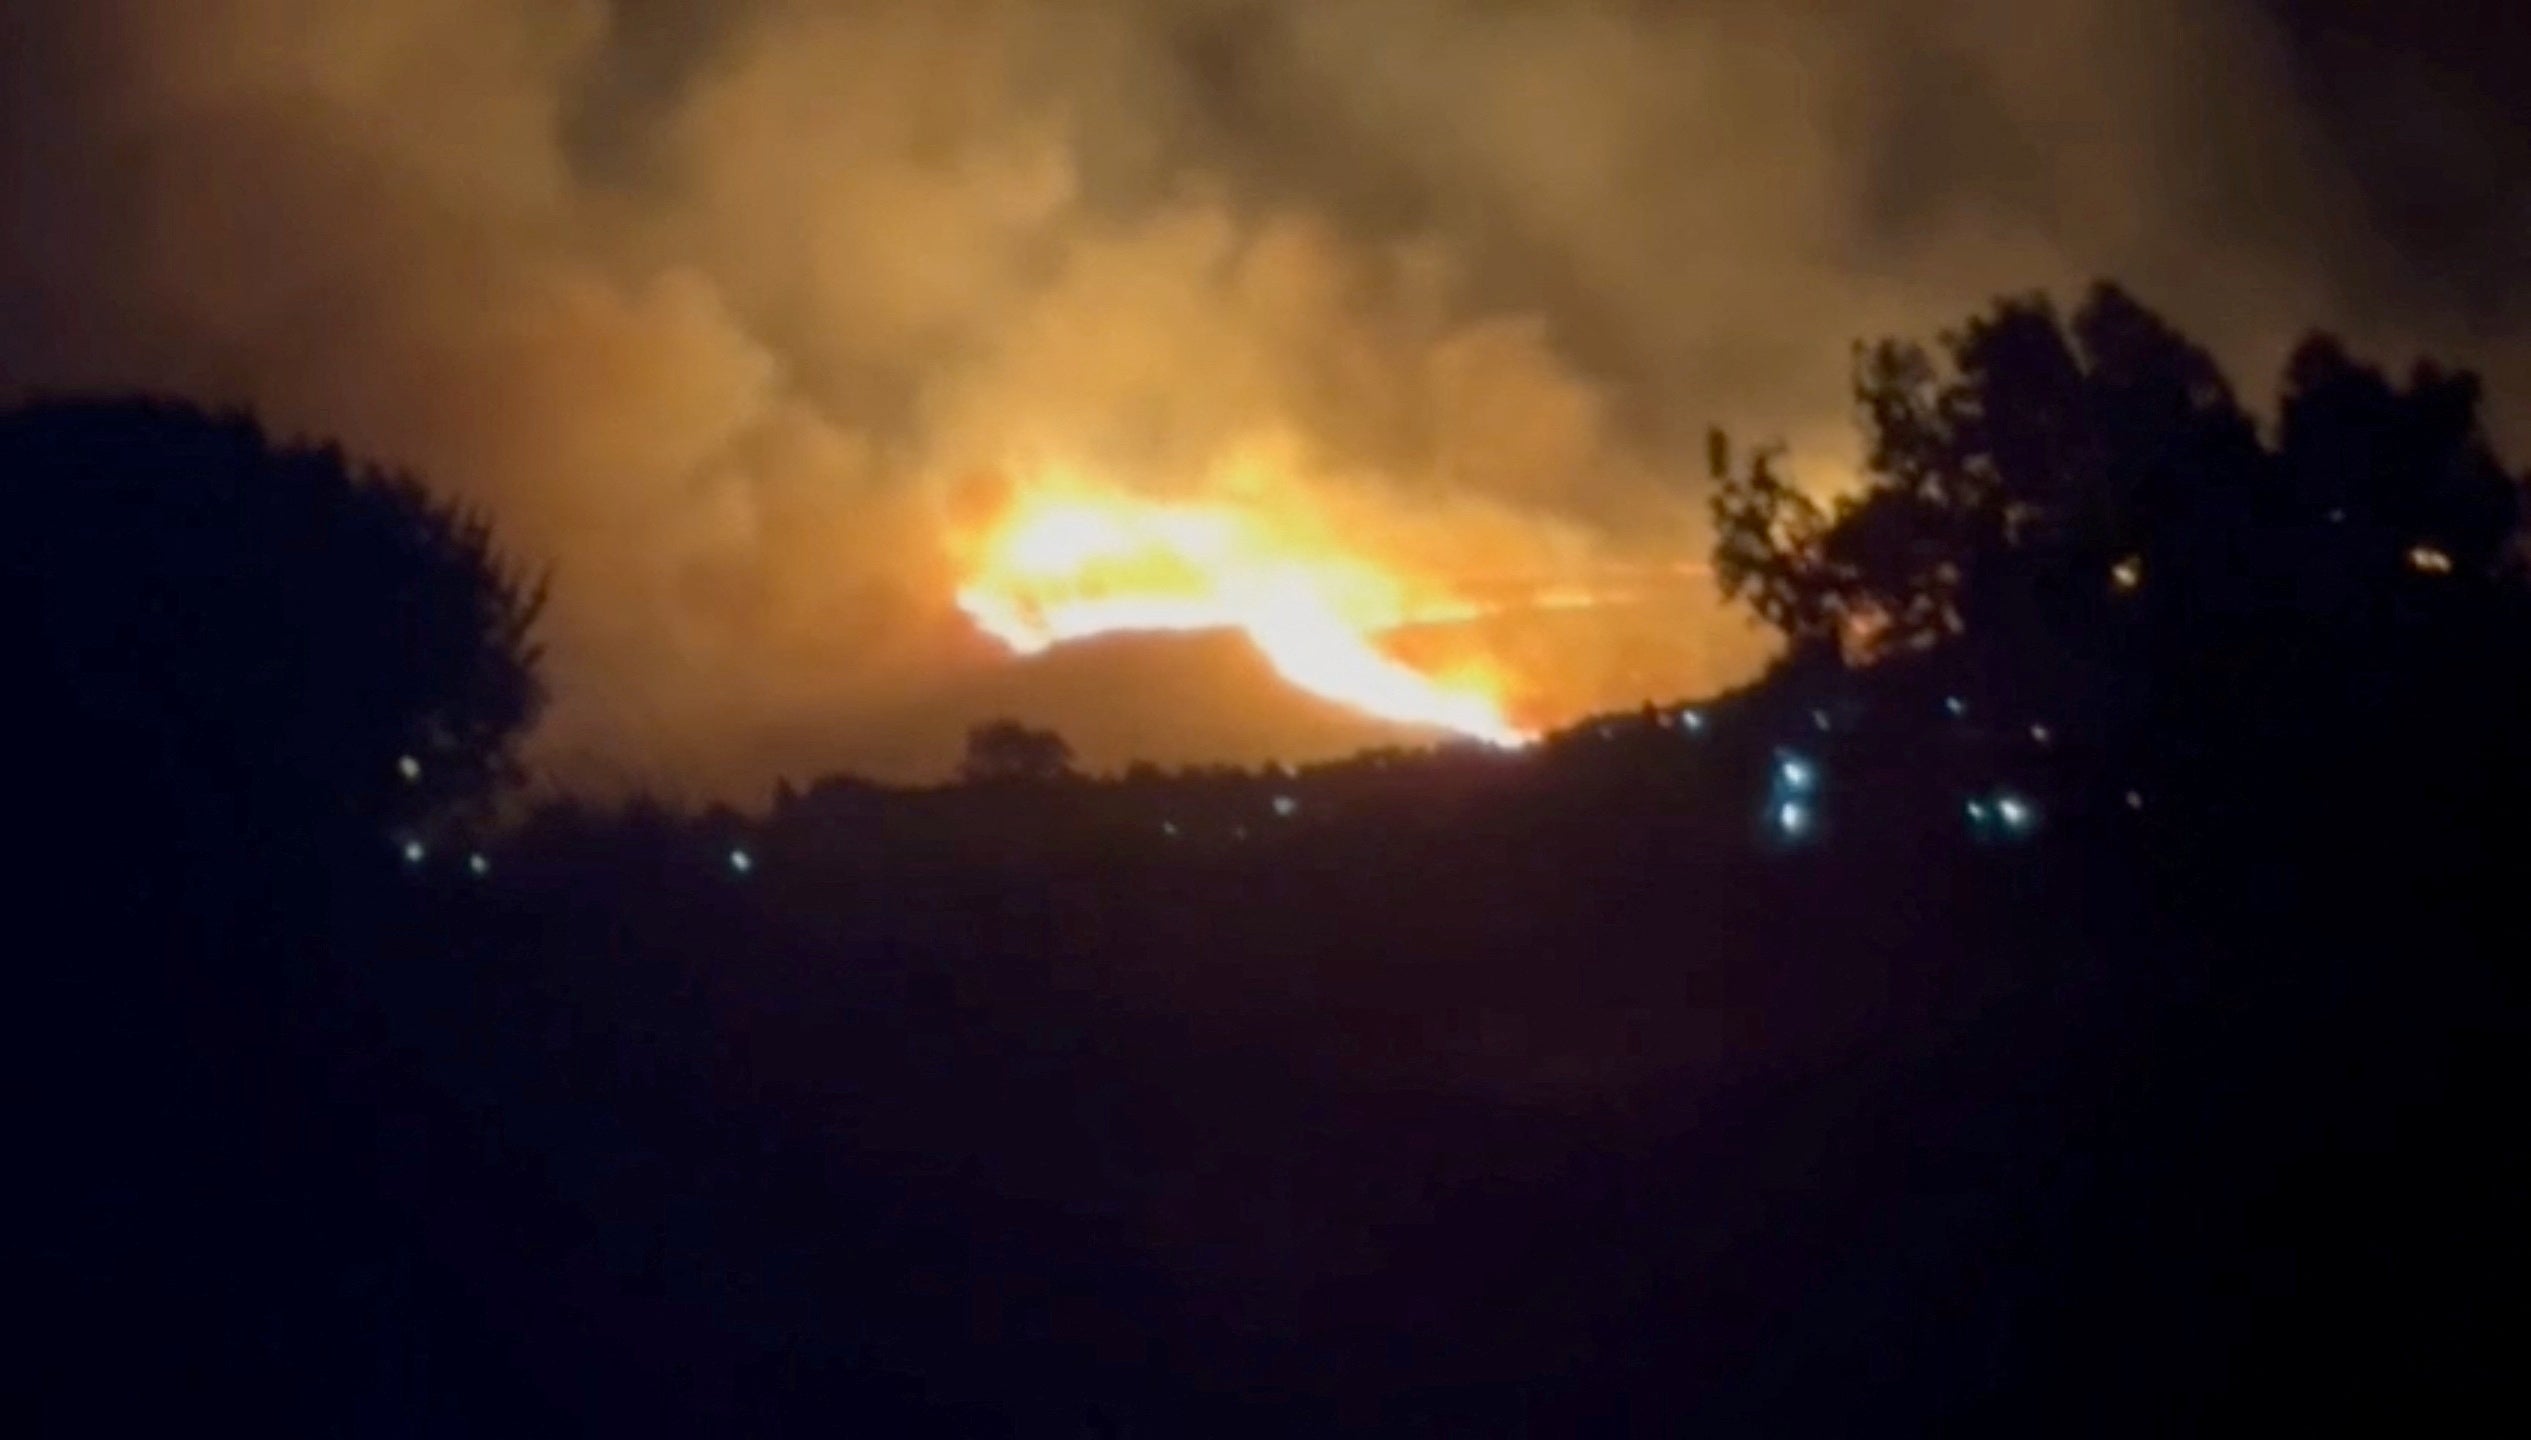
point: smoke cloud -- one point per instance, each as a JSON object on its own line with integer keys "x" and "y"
{"x": 728, "y": 311}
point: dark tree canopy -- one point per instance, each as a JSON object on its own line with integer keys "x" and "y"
{"x": 2089, "y": 491}
{"x": 250, "y": 635}
{"x": 1768, "y": 547}
{"x": 2400, "y": 467}
{"x": 1006, "y": 750}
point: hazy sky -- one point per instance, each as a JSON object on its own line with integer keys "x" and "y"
{"x": 724, "y": 308}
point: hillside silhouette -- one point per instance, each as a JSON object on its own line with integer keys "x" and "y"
{"x": 2076, "y": 990}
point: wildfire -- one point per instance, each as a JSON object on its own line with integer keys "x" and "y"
{"x": 1067, "y": 559}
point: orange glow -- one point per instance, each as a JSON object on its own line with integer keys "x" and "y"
{"x": 1067, "y": 559}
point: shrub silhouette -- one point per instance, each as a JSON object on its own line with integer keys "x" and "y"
{"x": 1006, "y": 750}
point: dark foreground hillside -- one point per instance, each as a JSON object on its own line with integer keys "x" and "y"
{"x": 1561, "y": 1101}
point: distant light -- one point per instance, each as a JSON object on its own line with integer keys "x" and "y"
{"x": 409, "y": 768}
{"x": 2001, "y": 812}
{"x": 1793, "y": 818}
{"x": 2041, "y": 734}
{"x": 477, "y": 865}
{"x": 1796, "y": 774}
{"x": 1958, "y": 707}
{"x": 2338, "y": 516}
{"x": 1819, "y": 719}
{"x": 415, "y": 852}
{"x": 1286, "y": 807}
{"x": 1238, "y": 832}
{"x": 2427, "y": 560}
{"x": 1169, "y": 828}
{"x": 1607, "y": 731}
{"x": 2135, "y": 799}
{"x": 1692, "y": 721}
{"x": 2127, "y": 574}
{"x": 741, "y": 863}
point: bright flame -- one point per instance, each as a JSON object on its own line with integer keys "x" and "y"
{"x": 1068, "y": 560}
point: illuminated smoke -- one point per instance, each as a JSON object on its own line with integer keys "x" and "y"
{"x": 721, "y": 306}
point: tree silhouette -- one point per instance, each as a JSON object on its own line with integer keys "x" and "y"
{"x": 2084, "y": 499}
{"x": 1768, "y": 547}
{"x": 1006, "y": 750}
{"x": 264, "y": 642}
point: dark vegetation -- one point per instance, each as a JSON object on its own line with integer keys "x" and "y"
{"x": 2077, "y": 991}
